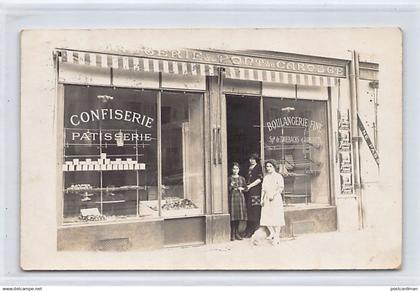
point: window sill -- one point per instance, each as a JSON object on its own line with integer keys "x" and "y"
{"x": 116, "y": 221}
{"x": 303, "y": 206}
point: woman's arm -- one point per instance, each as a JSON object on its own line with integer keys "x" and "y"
{"x": 258, "y": 180}
{"x": 262, "y": 197}
{"x": 231, "y": 184}
{"x": 242, "y": 184}
{"x": 255, "y": 183}
{"x": 280, "y": 186}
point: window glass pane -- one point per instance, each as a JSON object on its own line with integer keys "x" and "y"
{"x": 182, "y": 154}
{"x": 110, "y": 154}
{"x": 295, "y": 134}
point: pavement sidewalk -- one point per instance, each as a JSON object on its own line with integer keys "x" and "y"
{"x": 333, "y": 250}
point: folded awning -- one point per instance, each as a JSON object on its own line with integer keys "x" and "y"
{"x": 134, "y": 63}
{"x": 280, "y": 77}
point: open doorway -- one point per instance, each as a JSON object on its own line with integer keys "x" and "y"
{"x": 243, "y": 130}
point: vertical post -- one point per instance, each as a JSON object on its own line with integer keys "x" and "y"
{"x": 221, "y": 140}
{"x": 207, "y": 149}
{"x": 332, "y": 138}
{"x": 262, "y": 152}
{"x": 61, "y": 149}
{"x": 375, "y": 86}
{"x": 137, "y": 180}
{"x": 355, "y": 136}
{"x": 59, "y": 130}
{"x": 308, "y": 162}
{"x": 159, "y": 151}
{"x": 100, "y": 171}
{"x": 357, "y": 142}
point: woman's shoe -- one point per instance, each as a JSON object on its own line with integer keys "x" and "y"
{"x": 248, "y": 235}
{"x": 237, "y": 236}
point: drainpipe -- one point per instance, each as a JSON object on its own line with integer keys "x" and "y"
{"x": 354, "y": 76}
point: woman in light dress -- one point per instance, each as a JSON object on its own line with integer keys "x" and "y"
{"x": 272, "y": 211}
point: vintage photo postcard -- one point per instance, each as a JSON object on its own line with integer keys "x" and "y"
{"x": 211, "y": 149}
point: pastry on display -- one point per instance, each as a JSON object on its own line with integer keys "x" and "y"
{"x": 175, "y": 203}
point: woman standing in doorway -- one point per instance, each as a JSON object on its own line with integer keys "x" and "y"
{"x": 237, "y": 207}
{"x": 253, "y": 197}
{"x": 272, "y": 212}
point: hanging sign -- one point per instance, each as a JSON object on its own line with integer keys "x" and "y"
{"x": 368, "y": 140}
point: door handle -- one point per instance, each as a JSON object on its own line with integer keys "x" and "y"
{"x": 336, "y": 146}
{"x": 215, "y": 146}
{"x": 219, "y": 146}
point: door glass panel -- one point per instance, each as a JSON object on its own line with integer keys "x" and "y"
{"x": 182, "y": 154}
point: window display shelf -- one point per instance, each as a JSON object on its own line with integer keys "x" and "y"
{"x": 104, "y": 167}
{"x": 292, "y": 175}
{"x": 286, "y": 147}
{"x": 98, "y": 156}
{"x": 171, "y": 207}
{"x": 104, "y": 189}
{"x": 301, "y": 163}
{"x": 287, "y": 196}
{"x": 103, "y": 164}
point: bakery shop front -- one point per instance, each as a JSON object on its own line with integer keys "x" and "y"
{"x": 147, "y": 141}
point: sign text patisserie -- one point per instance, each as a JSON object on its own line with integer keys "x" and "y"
{"x": 106, "y": 136}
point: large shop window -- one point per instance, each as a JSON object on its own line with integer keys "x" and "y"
{"x": 110, "y": 160}
{"x": 295, "y": 133}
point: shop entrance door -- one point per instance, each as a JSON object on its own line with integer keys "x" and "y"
{"x": 243, "y": 130}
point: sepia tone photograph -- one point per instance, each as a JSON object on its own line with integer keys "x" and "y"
{"x": 211, "y": 149}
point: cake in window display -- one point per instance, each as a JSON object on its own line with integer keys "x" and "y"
{"x": 172, "y": 205}
{"x": 91, "y": 214}
{"x": 85, "y": 191}
{"x": 85, "y": 196}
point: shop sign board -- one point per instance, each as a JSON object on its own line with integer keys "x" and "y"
{"x": 368, "y": 140}
{"x": 247, "y": 61}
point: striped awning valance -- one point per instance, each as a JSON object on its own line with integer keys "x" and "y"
{"x": 142, "y": 64}
{"x": 280, "y": 77}
{"x": 135, "y": 63}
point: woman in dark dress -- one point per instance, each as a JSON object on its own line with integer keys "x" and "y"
{"x": 253, "y": 196}
{"x": 237, "y": 206}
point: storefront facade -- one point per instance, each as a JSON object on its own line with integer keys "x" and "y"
{"x": 147, "y": 142}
